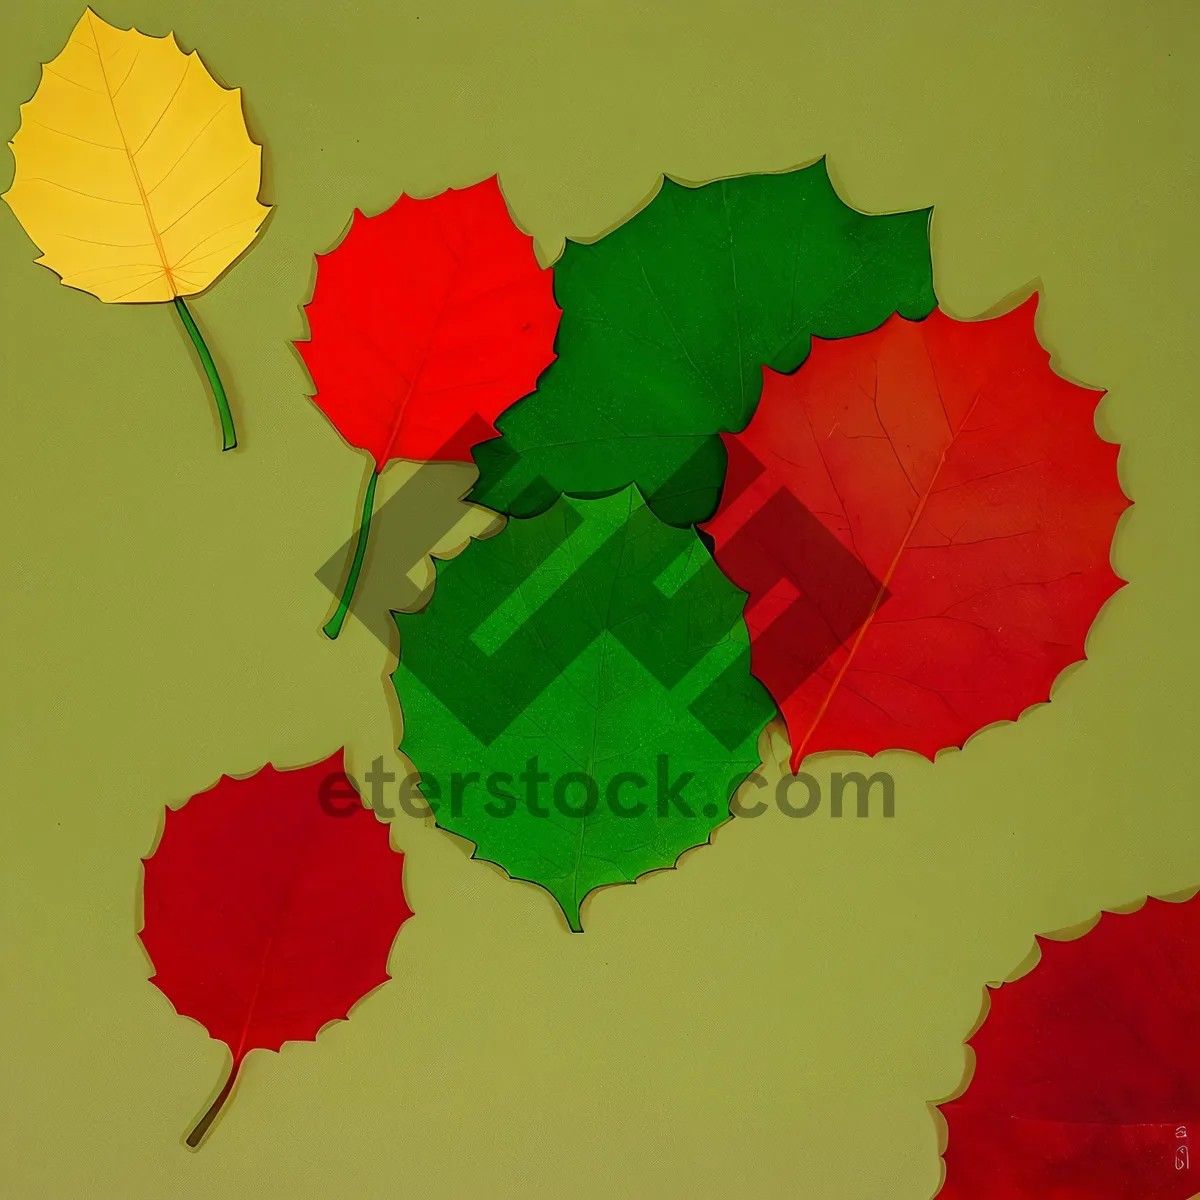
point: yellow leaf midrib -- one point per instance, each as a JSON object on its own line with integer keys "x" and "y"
{"x": 137, "y": 178}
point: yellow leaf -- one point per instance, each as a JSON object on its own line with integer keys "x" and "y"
{"x": 135, "y": 175}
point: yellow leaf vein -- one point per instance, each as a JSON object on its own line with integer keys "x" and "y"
{"x": 59, "y": 75}
{"x": 89, "y": 195}
{"x": 186, "y": 150}
{"x": 136, "y": 55}
{"x": 210, "y": 191}
{"x": 137, "y": 179}
{"x": 64, "y": 133}
{"x": 166, "y": 108}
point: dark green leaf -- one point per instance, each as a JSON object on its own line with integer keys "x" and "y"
{"x": 668, "y": 321}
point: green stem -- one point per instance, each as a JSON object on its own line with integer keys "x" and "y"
{"x": 229, "y": 437}
{"x": 334, "y": 625}
{"x": 197, "y": 1135}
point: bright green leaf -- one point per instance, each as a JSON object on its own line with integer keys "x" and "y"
{"x": 608, "y": 647}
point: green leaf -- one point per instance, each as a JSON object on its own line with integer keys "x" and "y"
{"x": 668, "y": 321}
{"x": 602, "y": 643}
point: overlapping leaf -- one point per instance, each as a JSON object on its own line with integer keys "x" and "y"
{"x": 426, "y": 322}
{"x": 922, "y": 517}
{"x": 603, "y": 650}
{"x": 667, "y": 322}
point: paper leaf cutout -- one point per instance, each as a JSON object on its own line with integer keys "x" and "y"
{"x": 426, "y": 322}
{"x": 667, "y": 322}
{"x": 606, "y": 645}
{"x": 1087, "y": 1070}
{"x": 135, "y": 175}
{"x": 271, "y": 905}
{"x": 424, "y": 317}
{"x": 922, "y": 518}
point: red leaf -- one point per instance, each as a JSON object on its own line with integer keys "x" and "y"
{"x": 427, "y": 318}
{"x": 1087, "y": 1071}
{"x": 922, "y": 519}
{"x": 269, "y": 912}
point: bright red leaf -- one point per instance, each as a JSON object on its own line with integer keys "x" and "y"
{"x": 271, "y": 904}
{"x": 424, "y": 317}
{"x": 922, "y": 518}
{"x": 1087, "y": 1070}
{"x": 427, "y": 321}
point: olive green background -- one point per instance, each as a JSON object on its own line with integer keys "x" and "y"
{"x": 771, "y": 1019}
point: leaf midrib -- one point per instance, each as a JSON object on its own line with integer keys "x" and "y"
{"x": 798, "y": 751}
{"x": 137, "y": 178}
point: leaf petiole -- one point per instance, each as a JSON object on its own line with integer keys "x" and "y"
{"x": 229, "y": 437}
{"x": 333, "y": 626}
{"x": 197, "y": 1135}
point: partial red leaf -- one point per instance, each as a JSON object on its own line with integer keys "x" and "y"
{"x": 270, "y": 911}
{"x": 1087, "y": 1070}
{"x": 922, "y": 518}
{"x": 427, "y": 321}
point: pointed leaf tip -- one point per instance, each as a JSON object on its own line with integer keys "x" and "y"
{"x": 690, "y": 635}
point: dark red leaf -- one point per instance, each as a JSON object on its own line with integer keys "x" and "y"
{"x": 1087, "y": 1070}
{"x": 270, "y": 911}
{"x": 424, "y": 317}
{"x": 922, "y": 519}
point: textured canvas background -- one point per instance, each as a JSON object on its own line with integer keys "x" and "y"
{"x": 770, "y": 1020}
